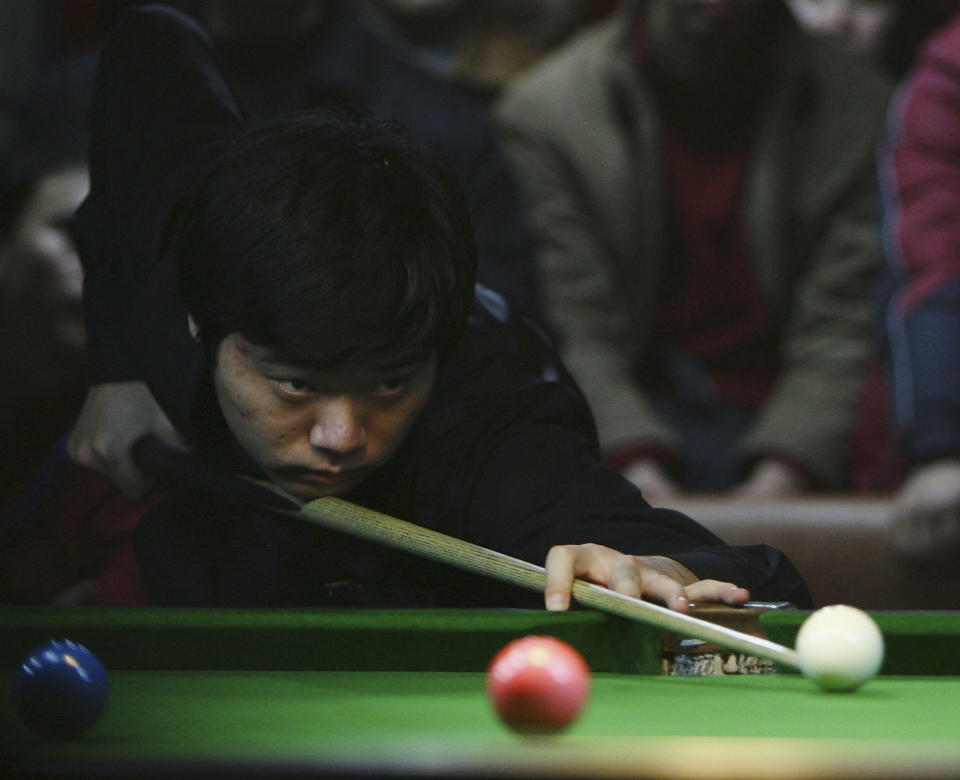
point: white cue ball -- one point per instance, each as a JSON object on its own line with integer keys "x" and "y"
{"x": 840, "y": 647}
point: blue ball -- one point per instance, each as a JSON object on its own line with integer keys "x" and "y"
{"x": 60, "y": 689}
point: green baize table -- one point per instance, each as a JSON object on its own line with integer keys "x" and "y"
{"x": 278, "y": 693}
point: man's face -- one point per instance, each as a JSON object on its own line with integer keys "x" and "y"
{"x": 317, "y": 431}
{"x": 702, "y": 41}
{"x": 858, "y": 24}
{"x": 42, "y": 280}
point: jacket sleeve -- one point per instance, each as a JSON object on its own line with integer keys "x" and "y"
{"x": 827, "y": 341}
{"x": 511, "y": 463}
{"x": 920, "y": 167}
{"x": 159, "y": 101}
{"x": 539, "y": 484}
{"x": 818, "y": 252}
{"x": 579, "y": 289}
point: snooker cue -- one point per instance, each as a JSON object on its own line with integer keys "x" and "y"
{"x": 156, "y": 458}
{"x": 340, "y": 515}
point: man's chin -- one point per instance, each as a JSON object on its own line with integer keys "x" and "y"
{"x": 309, "y": 490}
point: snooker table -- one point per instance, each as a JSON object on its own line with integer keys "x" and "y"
{"x": 376, "y": 693}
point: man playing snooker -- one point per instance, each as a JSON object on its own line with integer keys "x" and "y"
{"x": 308, "y": 315}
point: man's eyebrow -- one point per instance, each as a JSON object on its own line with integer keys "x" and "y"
{"x": 279, "y": 359}
{"x": 269, "y": 355}
{"x": 387, "y": 363}
{"x": 401, "y": 362}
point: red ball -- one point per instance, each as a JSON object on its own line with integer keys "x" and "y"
{"x": 538, "y": 684}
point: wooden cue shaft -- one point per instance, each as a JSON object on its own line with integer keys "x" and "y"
{"x": 352, "y": 519}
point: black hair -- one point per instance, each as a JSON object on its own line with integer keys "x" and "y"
{"x": 325, "y": 235}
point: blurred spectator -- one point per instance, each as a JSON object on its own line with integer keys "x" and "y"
{"x": 480, "y": 44}
{"x": 888, "y": 31}
{"x": 920, "y": 169}
{"x": 18, "y": 26}
{"x": 42, "y": 338}
{"x": 35, "y": 38}
{"x": 701, "y": 180}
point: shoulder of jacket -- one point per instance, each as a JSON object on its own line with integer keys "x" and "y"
{"x": 847, "y": 82}
{"x": 578, "y": 71}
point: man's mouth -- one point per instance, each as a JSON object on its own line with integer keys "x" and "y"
{"x": 328, "y": 477}
{"x": 325, "y": 477}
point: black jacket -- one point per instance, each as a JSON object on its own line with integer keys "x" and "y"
{"x": 503, "y": 455}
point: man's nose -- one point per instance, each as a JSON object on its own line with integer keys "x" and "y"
{"x": 338, "y": 426}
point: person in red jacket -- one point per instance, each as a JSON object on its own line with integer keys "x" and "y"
{"x": 920, "y": 167}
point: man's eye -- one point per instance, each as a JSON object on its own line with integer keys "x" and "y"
{"x": 391, "y": 387}
{"x": 293, "y": 386}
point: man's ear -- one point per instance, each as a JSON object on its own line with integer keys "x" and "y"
{"x": 194, "y": 330}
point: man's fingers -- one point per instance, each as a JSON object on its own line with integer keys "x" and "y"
{"x": 655, "y": 486}
{"x": 110, "y": 457}
{"x": 717, "y": 592}
{"x": 621, "y": 573}
{"x": 560, "y": 573}
{"x": 115, "y": 415}
{"x": 927, "y": 537}
{"x": 592, "y": 562}
{"x": 130, "y": 480}
{"x": 626, "y": 578}
{"x": 649, "y": 577}
{"x": 80, "y": 449}
{"x": 667, "y": 590}
{"x": 73, "y": 446}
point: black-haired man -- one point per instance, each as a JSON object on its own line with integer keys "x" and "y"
{"x": 336, "y": 346}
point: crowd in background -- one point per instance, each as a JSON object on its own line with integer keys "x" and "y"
{"x": 738, "y": 219}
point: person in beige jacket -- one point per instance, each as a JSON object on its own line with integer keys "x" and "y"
{"x": 700, "y": 177}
